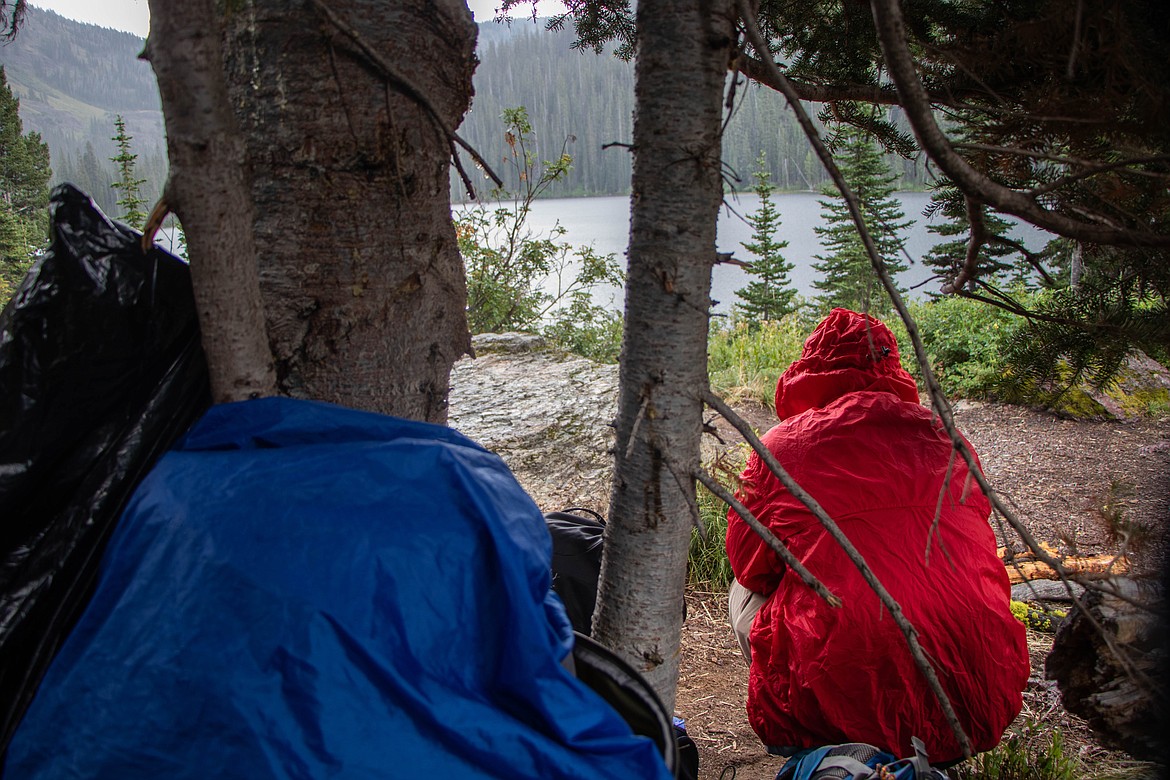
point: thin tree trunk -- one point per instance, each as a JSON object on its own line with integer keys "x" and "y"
{"x": 1077, "y": 265}
{"x": 683, "y": 51}
{"x": 347, "y": 106}
{"x": 208, "y": 189}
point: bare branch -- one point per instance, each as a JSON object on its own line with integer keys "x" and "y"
{"x": 976, "y": 241}
{"x": 1091, "y": 168}
{"x": 774, "y": 544}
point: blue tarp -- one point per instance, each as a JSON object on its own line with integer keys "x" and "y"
{"x": 304, "y": 591}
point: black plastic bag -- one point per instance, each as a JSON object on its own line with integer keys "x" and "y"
{"x": 101, "y": 369}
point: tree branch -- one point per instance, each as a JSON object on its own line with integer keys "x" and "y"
{"x": 975, "y": 242}
{"x": 774, "y": 544}
{"x": 891, "y": 32}
{"x": 388, "y": 72}
{"x": 209, "y": 190}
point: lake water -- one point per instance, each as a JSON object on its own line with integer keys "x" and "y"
{"x": 604, "y": 224}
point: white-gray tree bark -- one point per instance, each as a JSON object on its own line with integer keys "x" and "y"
{"x": 347, "y": 109}
{"x": 208, "y": 189}
{"x": 684, "y": 47}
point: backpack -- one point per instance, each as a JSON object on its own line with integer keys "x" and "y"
{"x": 859, "y": 761}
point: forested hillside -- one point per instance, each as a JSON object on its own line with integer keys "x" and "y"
{"x": 589, "y": 98}
{"x": 73, "y": 79}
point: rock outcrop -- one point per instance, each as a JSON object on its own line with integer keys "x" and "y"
{"x": 549, "y": 415}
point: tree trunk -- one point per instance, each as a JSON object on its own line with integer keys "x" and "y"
{"x": 346, "y": 106}
{"x": 208, "y": 189}
{"x": 1116, "y": 679}
{"x": 683, "y": 52}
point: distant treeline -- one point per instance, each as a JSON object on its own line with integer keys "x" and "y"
{"x": 74, "y": 78}
{"x": 589, "y": 98}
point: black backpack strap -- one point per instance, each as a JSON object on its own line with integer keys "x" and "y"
{"x": 627, "y": 692}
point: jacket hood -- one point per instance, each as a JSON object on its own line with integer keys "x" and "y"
{"x": 848, "y": 352}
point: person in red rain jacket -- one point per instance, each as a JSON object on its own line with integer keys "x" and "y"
{"x": 855, "y": 436}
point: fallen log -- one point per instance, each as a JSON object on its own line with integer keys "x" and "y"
{"x": 1115, "y": 678}
{"x": 1022, "y": 567}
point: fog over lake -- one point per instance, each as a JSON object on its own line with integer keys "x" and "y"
{"x": 604, "y": 224}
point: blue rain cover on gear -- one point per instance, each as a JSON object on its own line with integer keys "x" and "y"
{"x": 305, "y": 591}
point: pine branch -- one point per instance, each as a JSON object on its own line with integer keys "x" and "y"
{"x": 891, "y": 31}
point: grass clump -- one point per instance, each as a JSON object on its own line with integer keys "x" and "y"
{"x": 708, "y": 568}
{"x": 707, "y": 565}
{"x": 744, "y": 359}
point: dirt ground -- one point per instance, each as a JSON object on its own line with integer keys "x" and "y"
{"x": 1056, "y": 475}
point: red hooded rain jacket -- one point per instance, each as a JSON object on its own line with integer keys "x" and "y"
{"x": 855, "y": 436}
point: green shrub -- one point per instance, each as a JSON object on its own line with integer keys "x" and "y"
{"x": 533, "y": 282}
{"x": 586, "y": 329}
{"x": 965, "y": 341}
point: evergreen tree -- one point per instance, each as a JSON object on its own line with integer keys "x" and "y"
{"x": 24, "y": 193}
{"x": 847, "y": 276}
{"x": 771, "y": 295}
{"x": 131, "y": 199}
{"x": 94, "y": 179}
{"x": 1000, "y": 259}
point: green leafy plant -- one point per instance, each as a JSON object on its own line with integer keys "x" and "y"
{"x": 966, "y": 342}
{"x": 1029, "y": 752}
{"x": 1037, "y": 619}
{"x": 586, "y": 329}
{"x": 524, "y": 281}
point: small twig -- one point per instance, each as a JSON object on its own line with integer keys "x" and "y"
{"x": 680, "y": 481}
{"x": 154, "y": 223}
{"x": 935, "y": 527}
{"x": 637, "y": 423}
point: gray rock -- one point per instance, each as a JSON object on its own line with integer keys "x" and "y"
{"x": 547, "y": 414}
{"x": 508, "y": 343}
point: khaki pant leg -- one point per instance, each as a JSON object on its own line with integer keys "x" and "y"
{"x": 742, "y": 606}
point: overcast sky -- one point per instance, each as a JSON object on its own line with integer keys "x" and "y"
{"x": 134, "y": 15}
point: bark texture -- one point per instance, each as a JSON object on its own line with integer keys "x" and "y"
{"x": 346, "y": 108}
{"x": 683, "y": 52}
{"x": 1109, "y": 658}
{"x": 208, "y": 189}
